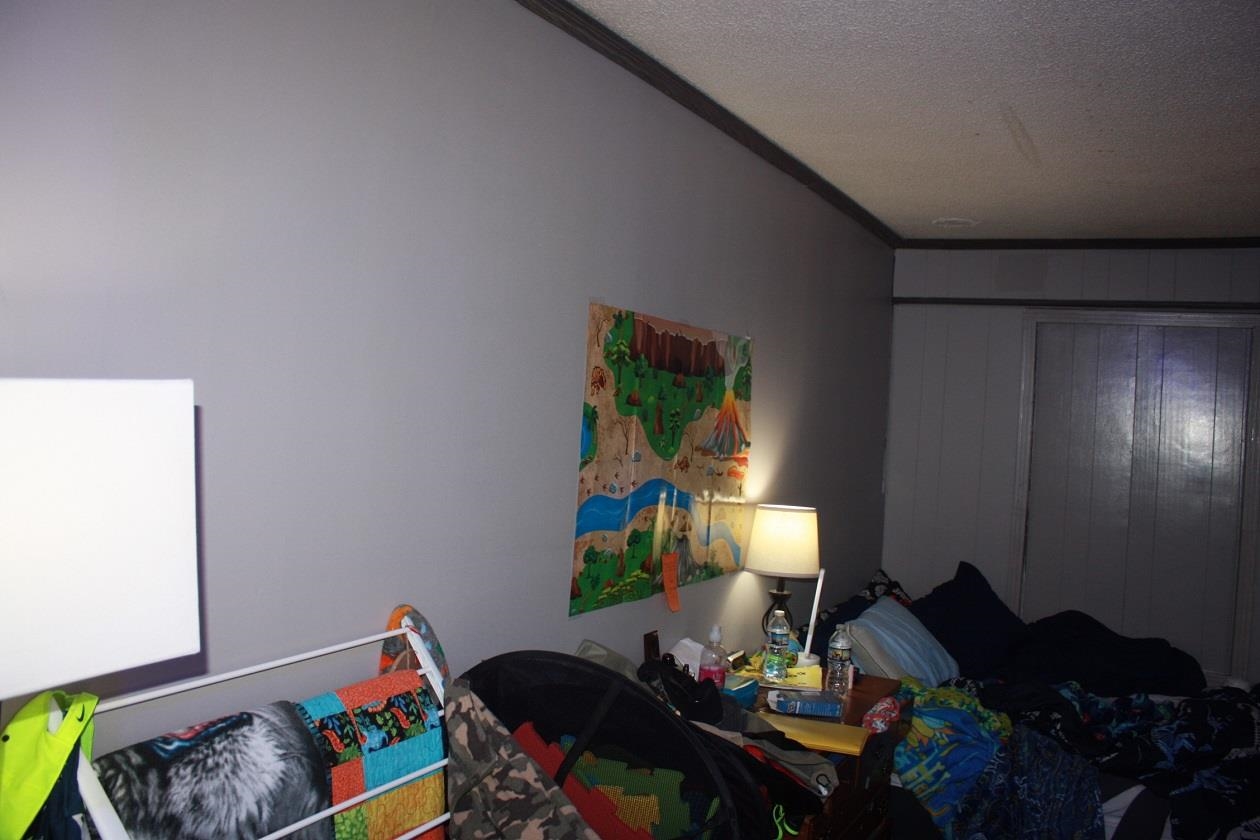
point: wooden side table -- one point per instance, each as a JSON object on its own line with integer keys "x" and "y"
{"x": 858, "y": 807}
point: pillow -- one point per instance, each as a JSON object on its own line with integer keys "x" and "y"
{"x": 888, "y": 641}
{"x": 828, "y": 620}
{"x": 968, "y": 618}
{"x": 879, "y": 585}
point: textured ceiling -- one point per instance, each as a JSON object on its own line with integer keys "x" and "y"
{"x": 990, "y": 119}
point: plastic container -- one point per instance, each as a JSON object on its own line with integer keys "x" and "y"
{"x": 742, "y": 688}
{"x": 774, "y": 664}
{"x": 713, "y": 659}
{"x": 839, "y": 677}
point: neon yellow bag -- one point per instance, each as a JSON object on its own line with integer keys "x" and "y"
{"x": 31, "y": 757}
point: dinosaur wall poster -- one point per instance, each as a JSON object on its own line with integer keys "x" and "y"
{"x": 664, "y": 450}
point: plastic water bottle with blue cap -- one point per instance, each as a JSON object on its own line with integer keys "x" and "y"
{"x": 839, "y": 662}
{"x": 778, "y": 637}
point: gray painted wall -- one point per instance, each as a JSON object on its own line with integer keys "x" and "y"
{"x": 369, "y": 232}
{"x": 953, "y": 469}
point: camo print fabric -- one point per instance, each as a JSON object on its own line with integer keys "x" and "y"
{"x": 495, "y": 790}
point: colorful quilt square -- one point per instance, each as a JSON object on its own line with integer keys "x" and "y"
{"x": 373, "y": 733}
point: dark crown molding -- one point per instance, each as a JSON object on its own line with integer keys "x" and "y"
{"x": 592, "y": 33}
{"x": 1081, "y": 244}
{"x": 612, "y": 46}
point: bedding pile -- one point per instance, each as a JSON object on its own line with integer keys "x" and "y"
{"x": 980, "y": 776}
{"x": 1032, "y": 789}
{"x": 1200, "y": 753}
{"x": 1015, "y": 724}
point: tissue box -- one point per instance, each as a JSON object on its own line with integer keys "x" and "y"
{"x": 687, "y": 652}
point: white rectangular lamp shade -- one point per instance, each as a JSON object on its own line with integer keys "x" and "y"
{"x": 98, "y": 529}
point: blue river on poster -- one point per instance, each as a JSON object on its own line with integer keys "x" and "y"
{"x": 606, "y": 513}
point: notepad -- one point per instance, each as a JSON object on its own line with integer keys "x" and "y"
{"x": 808, "y": 678}
{"x": 821, "y": 735}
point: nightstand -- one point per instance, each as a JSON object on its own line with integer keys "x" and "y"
{"x": 858, "y": 808}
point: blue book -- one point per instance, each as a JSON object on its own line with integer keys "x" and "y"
{"x": 811, "y": 703}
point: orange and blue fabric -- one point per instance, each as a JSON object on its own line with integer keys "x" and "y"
{"x": 951, "y": 739}
{"x": 375, "y": 732}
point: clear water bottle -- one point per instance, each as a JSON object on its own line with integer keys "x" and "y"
{"x": 778, "y": 635}
{"x": 839, "y": 662}
{"x": 713, "y": 659}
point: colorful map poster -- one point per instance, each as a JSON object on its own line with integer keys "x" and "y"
{"x": 665, "y": 441}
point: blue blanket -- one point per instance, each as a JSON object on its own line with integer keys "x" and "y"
{"x": 980, "y": 777}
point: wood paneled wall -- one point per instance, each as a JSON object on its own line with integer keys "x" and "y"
{"x": 952, "y": 443}
{"x": 954, "y": 481}
{"x": 1190, "y": 276}
{"x": 1135, "y": 475}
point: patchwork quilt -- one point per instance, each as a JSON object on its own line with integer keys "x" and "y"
{"x": 373, "y": 733}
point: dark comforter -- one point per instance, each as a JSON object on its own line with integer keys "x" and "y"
{"x": 1201, "y": 753}
{"x": 1073, "y": 646}
{"x": 1073, "y": 700}
{"x": 979, "y": 777}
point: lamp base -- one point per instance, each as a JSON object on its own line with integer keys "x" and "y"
{"x": 778, "y": 601}
{"x": 806, "y": 660}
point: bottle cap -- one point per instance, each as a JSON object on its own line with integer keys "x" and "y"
{"x": 715, "y": 634}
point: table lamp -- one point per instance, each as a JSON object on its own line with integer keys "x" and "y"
{"x": 784, "y": 544}
{"x": 98, "y": 530}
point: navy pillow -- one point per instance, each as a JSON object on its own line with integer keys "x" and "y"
{"x": 970, "y": 621}
{"x": 880, "y": 585}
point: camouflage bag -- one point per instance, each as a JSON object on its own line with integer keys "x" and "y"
{"x": 495, "y": 790}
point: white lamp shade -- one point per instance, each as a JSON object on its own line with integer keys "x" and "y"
{"x": 784, "y": 542}
{"x": 98, "y": 530}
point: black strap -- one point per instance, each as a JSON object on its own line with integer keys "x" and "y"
{"x": 592, "y": 724}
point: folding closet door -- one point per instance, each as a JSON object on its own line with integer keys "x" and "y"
{"x": 1135, "y": 478}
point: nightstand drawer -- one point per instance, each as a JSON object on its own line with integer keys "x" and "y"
{"x": 877, "y": 758}
{"x": 850, "y": 814}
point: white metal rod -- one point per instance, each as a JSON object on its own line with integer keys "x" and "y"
{"x": 356, "y": 800}
{"x": 96, "y": 802}
{"x": 421, "y": 829}
{"x": 813, "y": 614}
{"x": 179, "y": 688}
{"x": 427, "y": 664}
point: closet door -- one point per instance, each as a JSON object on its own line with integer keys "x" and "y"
{"x": 1135, "y": 479}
